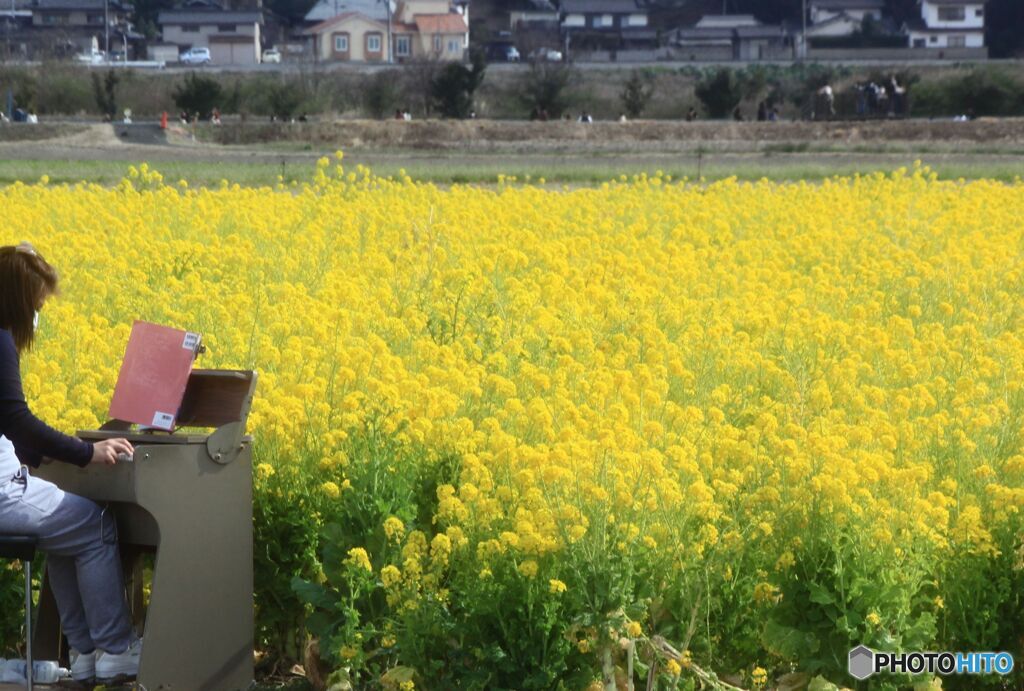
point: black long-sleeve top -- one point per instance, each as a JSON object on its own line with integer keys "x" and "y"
{"x": 32, "y": 438}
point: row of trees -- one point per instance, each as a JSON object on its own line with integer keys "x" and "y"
{"x": 454, "y": 91}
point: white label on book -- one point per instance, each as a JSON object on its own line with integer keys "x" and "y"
{"x": 163, "y": 420}
{"x": 191, "y": 341}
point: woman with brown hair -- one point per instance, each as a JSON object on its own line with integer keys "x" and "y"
{"x": 78, "y": 536}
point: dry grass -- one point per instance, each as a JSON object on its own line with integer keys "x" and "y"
{"x": 637, "y": 135}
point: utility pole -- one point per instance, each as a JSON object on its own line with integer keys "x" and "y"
{"x": 106, "y": 29}
{"x": 803, "y": 35}
{"x": 387, "y": 4}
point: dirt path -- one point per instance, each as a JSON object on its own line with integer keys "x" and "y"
{"x": 713, "y": 148}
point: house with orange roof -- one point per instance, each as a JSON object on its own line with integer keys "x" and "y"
{"x": 420, "y": 29}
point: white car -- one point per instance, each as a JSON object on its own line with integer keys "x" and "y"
{"x": 549, "y": 54}
{"x": 93, "y": 58}
{"x": 271, "y": 55}
{"x": 195, "y": 56}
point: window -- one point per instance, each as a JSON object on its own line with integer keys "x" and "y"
{"x": 919, "y": 43}
{"x": 94, "y": 19}
{"x": 980, "y": 12}
{"x": 453, "y": 45}
{"x": 933, "y": 39}
{"x": 373, "y": 43}
{"x": 437, "y": 43}
{"x": 226, "y": 28}
{"x": 190, "y": 29}
{"x": 341, "y": 43}
{"x": 952, "y": 14}
{"x": 956, "y": 41}
{"x": 403, "y": 46}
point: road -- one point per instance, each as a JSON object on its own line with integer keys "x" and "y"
{"x": 294, "y": 66}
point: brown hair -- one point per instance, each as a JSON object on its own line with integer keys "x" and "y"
{"x": 26, "y": 280}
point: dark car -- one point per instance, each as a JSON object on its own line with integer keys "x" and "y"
{"x": 502, "y": 51}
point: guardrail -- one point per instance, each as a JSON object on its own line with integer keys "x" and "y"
{"x": 150, "y": 64}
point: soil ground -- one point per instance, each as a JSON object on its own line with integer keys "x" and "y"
{"x": 478, "y": 151}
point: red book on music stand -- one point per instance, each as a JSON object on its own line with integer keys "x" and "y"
{"x": 153, "y": 375}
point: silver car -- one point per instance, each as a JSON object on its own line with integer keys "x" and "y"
{"x": 196, "y": 56}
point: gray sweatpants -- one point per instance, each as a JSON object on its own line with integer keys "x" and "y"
{"x": 80, "y": 542}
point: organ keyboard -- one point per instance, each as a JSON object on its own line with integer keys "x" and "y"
{"x": 187, "y": 496}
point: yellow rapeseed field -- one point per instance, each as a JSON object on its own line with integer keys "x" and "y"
{"x": 751, "y": 425}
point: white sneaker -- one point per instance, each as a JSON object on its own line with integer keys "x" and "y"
{"x": 83, "y": 665}
{"x": 119, "y": 666}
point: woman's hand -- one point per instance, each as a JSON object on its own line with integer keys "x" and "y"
{"x": 107, "y": 451}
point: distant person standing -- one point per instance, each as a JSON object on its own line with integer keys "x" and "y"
{"x": 828, "y": 100}
{"x": 737, "y": 114}
{"x": 899, "y": 97}
{"x": 691, "y": 114}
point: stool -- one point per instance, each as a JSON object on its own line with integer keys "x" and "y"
{"x": 23, "y": 547}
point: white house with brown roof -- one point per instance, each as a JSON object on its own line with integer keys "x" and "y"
{"x": 948, "y": 24}
{"x": 419, "y": 29}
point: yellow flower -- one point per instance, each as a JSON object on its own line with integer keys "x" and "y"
{"x": 759, "y": 676}
{"x": 394, "y": 529}
{"x": 634, "y": 629}
{"x": 673, "y": 668}
{"x": 556, "y": 586}
{"x": 358, "y": 558}
{"x": 873, "y": 619}
{"x": 390, "y": 575}
{"x": 528, "y": 568}
{"x": 331, "y": 489}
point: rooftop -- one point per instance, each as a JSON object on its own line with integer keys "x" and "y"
{"x": 601, "y": 7}
{"x": 341, "y": 19}
{"x": 325, "y": 9}
{"x": 211, "y": 16}
{"x": 918, "y": 24}
{"x": 848, "y": 4}
{"x": 726, "y": 21}
{"x": 57, "y": 5}
{"x": 766, "y": 31}
{"x": 452, "y": 23}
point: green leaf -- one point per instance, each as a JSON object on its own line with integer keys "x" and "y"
{"x": 311, "y": 593}
{"x": 821, "y": 595}
{"x": 820, "y": 683}
{"x": 397, "y": 675}
{"x": 787, "y": 642}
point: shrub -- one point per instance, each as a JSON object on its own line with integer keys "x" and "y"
{"x": 105, "y": 92}
{"x": 284, "y": 99}
{"x": 981, "y": 91}
{"x": 65, "y": 93}
{"x": 544, "y": 87}
{"x": 381, "y": 93}
{"x": 454, "y": 87}
{"x": 636, "y": 94}
{"x": 719, "y": 92}
{"x": 198, "y": 94}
